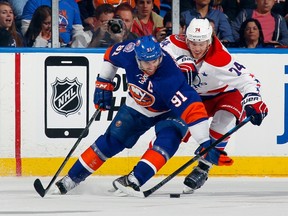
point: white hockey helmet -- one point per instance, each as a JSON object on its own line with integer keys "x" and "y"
{"x": 199, "y": 30}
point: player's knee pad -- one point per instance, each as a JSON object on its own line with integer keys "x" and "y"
{"x": 178, "y": 124}
{"x": 167, "y": 141}
{"x": 106, "y": 146}
{"x": 169, "y": 134}
{"x": 122, "y": 127}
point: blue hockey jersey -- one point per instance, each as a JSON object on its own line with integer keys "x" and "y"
{"x": 165, "y": 90}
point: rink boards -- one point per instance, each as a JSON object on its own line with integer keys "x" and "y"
{"x": 40, "y": 121}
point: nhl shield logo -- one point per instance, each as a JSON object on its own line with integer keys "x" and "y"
{"x": 66, "y": 98}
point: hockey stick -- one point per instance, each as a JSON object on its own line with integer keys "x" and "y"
{"x": 148, "y": 192}
{"x": 37, "y": 183}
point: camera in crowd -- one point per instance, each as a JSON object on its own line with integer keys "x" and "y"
{"x": 115, "y": 25}
{"x": 168, "y": 31}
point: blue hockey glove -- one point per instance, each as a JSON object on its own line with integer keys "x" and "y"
{"x": 103, "y": 94}
{"x": 254, "y": 107}
{"x": 214, "y": 155}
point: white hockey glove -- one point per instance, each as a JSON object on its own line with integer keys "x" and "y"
{"x": 187, "y": 66}
{"x": 254, "y": 107}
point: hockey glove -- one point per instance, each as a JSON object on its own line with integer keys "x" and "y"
{"x": 254, "y": 107}
{"x": 214, "y": 155}
{"x": 103, "y": 94}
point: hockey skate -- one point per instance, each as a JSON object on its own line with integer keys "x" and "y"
{"x": 65, "y": 184}
{"x": 125, "y": 183}
{"x": 197, "y": 177}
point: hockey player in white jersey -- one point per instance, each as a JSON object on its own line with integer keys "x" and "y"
{"x": 228, "y": 89}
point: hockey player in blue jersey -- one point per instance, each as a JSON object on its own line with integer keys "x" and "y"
{"x": 158, "y": 95}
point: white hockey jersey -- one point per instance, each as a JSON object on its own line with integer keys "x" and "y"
{"x": 217, "y": 71}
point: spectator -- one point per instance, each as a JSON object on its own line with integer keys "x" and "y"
{"x": 165, "y": 7}
{"x": 146, "y": 22}
{"x": 217, "y": 4}
{"x": 232, "y": 7}
{"x": 273, "y": 25}
{"x": 6, "y": 39}
{"x": 39, "y": 31}
{"x": 103, "y": 14}
{"x": 281, "y": 7}
{"x": 203, "y": 9}
{"x": 251, "y": 34}
{"x": 86, "y": 9}
{"x": 167, "y": 21}
{"x": 70, "y": 25}
{"x": 167, "y": 30}
{"x": 115, "y": 3}
{"x": 7, "y": 21}
{"x": 17, "y": 6}
{"x": 124, "y": 12}
{"x": 186, "y": 5}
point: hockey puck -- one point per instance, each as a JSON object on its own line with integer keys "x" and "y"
{"x": 174, "y": 195}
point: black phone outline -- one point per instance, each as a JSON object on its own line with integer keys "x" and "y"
{"x": 58, "y": 61}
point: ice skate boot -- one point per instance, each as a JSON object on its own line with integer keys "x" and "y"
{"x": 197, "y": 177}
{"x": 65, "y": 184}
{"x": 128, "y": 181}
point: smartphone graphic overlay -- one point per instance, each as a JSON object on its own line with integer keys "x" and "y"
{"x": 66, "y": 96}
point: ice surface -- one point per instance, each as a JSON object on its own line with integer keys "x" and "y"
{"x": 242, "y": 196}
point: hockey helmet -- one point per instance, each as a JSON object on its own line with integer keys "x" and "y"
{"x": 199, "y": 30}
{"x": 147, "y": 48}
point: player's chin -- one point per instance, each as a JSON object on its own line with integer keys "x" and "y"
{"x": 150, "y": 72}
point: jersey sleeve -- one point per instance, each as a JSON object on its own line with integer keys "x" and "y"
{"x": 120, "y": 54}
{"x": 229, "y": 70}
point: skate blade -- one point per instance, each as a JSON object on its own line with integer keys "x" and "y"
{"x": 56, "y": 191}
{"x": 112, "y": 190}
{"x": 187, "y": 190}
{"x": 119, "y": 193}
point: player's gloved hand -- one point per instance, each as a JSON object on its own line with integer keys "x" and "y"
{"x": 103, "y": 94}
{"x": 254, "y": 107}
{"x": 214, "y": 155}
{"x": 187, "y": 66}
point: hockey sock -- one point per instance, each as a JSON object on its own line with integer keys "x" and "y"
{"x": 215, "y": 136}
{"x": 149, "y": 164}
{"x": 88, "y": 162}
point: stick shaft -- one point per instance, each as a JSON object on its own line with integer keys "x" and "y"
{"x": 67, "y": 157}
{"x": 195, "y": 158}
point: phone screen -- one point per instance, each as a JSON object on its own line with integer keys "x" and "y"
{"x": 66, "y": 96}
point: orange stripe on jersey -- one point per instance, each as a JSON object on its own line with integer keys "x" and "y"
{"x": 107, "y": 54}
{"x": 154, "y": 158}
{"x": 215, "y": 135}
{"x": 91, "y": 159}
{"x": 194, "y": 112}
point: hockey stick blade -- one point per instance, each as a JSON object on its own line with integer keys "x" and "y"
{"x": 37, "y": 183}
{"x": 39, "y": 187}
{"x": 191, "y": 161}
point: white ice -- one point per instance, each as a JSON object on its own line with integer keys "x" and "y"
{"x": 237, "y": 196}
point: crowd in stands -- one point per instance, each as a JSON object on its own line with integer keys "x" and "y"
{"x": 99, "y": 23}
